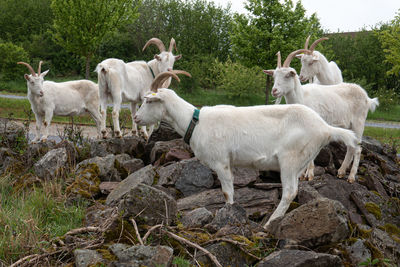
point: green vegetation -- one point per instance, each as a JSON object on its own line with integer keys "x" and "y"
{"x": 31, "y": 218}
{"x": 385, "y": 136}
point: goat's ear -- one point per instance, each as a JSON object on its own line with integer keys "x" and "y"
{"x": 26, "y": 76}
{"x": 292, "y": 73}
{"x": 44, "y": 73}
{"x": 178, "y": 57}
{"x": 157, "y": 57}
{"x": 299, "y": 56}
{"x": 269, "y": 72}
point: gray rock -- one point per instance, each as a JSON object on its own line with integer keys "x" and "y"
{"x": 140, "y": 255}
{"x": 194, "y": 178}
{"x": 131, "y": 145}
{"x": 107, "y": 187}
{"x": 382, "y": 240}
{"x": 51, "y": 164}
{"x": 243, "y": 176}
{"x": 300, "y": 258}
{"x": 161, "y": 148}
{"x": 358, "y": 252}
{"x": 132, "y": 165}
{"x": 154, "y": 205}
{"x": 319, "y": 222}
{"x": 145, "y": 175}
{"x": 256, "y": 202}
{"x": 307, "y": 193}
{"x": 106, "y": 167}
{"x": 196, "y": 218}
{"x": 230, "y": 220}
{"x": 87, "y": 257}
{"x": 227, "y": 255}
{"x": 169, "y": 174}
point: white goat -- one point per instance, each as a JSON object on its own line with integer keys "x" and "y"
{"x": 131, "y": 81}
{"x": 343, "y": 105}
{"x": 282, "y": 138}
{"x": 71, "y": 98}
{"x": 315, "y": 66}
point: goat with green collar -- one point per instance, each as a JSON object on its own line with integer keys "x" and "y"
{"x": 281, "y": 138}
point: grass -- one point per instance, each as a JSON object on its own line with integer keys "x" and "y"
{"x": 31, "y": 218}
{"x": 386, "y": 136}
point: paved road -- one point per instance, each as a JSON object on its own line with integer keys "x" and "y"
{"x": 369, "y": 124}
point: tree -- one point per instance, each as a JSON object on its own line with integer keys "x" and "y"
{"x": 272, "y": 26}
{"x": 390, "y": 39}
{"x": 80, "y": 25}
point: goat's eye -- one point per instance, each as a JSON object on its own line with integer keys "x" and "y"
{"x": 309, "y": 64}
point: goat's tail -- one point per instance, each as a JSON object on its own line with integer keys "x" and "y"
{"x": 348, "y": 137}
{"x": 102, "y": 74}
{"x": 373, "y": 103}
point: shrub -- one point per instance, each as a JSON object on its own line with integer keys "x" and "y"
{"x": 238, "y": 80}
{"x": 10, "y": 54}
{"x": 388, "y": 98}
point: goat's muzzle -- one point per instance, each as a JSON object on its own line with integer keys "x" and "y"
{"x": 274, "y": 92}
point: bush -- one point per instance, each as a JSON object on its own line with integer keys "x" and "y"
{"x": 388, "y": 98}
{"x": 10, "y": 54}
{"x": 238, "y": 80}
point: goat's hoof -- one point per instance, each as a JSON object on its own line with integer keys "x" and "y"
{"x": 341, "y": 174}
{"x": 351, "y": 180}
{"x": 310, "y": 178}
{"x": 118, "y": 134}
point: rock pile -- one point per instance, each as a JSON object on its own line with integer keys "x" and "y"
{"x": 158, "y": 202}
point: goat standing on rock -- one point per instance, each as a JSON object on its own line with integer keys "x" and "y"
{"x": 343, "y": 105}
{"x": 71, "y": 98}
{"x": 120, "y": 81}
{"x": 282, "y": 138}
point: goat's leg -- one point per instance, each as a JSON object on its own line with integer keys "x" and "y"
{"x": 103, "y": 112}
{"x": 289, "y": 191}
{"x": 346, "y": 162}
{"x": 97, "y": 117}
{"x": 117, "y": 100}
{"x": 39, "y": 120}
{"x": 310, "y": 171}
{"x": 225, "y": 176}
{"x": 356, "y": 162}
{"x": 133, "y": 108}
{"x": 47, "y": 120}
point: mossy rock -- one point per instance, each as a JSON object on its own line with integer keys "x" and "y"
{"x": 87, "y": 182}
{"x": 374, "y": 210}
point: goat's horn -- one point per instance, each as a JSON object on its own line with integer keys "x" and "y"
{"x": 279, "y": 61}
{"x": 156, "y": 42}
{"x": 289, "y": 58}
{"x": 181, "y": 72}
{"x": 306, "y": 44}
{"x": 161, "y": 78}
{"x": 40, "y": 67}
{"x": 172, "y": 45}
{"x": 29, "y": 67}
{"x": 312, "y": 47}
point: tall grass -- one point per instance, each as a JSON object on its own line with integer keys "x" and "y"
{"x": 31, "y": 218}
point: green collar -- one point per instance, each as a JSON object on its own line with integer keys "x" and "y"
{"x": 151, "y": 70}
{"x": 192, "y": 124}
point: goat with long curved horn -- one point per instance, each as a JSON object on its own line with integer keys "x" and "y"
{"x": 29, "y": 67}
{"x": 289, "y": 58}
{"x": 316, "y": 42}
{"x": 172, "y": 45}
{"x": 162, "y": 77}
{"x": 279, "y": 60}
{"x": 39, "y": 68}
{"x": 156, "y": 42}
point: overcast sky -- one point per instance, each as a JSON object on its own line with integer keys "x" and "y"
{"x": 342, "y": 15}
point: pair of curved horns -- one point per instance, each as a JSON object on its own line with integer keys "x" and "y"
{"x": 162, "y": 77}
{"x": 289, "y": 58}
{"x": 312, "y": 47}
{"x": 31, "y": 69}
{"x": 160, "y": 44}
